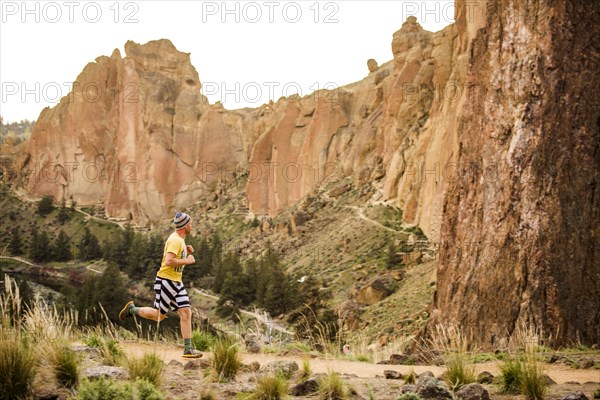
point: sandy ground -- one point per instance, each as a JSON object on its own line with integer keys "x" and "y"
{"x": 559, "y": 373}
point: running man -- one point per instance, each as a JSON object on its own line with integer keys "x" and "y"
{"x": 168, "y": 286}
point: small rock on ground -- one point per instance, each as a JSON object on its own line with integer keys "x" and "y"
{"x": 286, "y": 368}
{"x": 105, "y": 371}
{"x": 305, "y": 388}
{"x": 429, "y": 387}
{"x": 575, "y": 396}
{"x": 485, "y": 377}
{"x": 389, "y": 374}
{"x": 473, "y": 391}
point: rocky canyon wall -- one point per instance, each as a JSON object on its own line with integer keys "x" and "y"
{"x": 520, "y": 236}
{"x": 137, "y": 135}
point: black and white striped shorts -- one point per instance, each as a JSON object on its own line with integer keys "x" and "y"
{"x": 170, "y": 295}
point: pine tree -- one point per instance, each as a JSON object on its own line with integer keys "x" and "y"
{"x": 191, "y": 272}
{"x": 204, "y": 259}
{"x": 226, "y": 299}
{"x": 267, "y": 264}
{"x": 311, "y": 310}
{"x": 63, "y": 214}
{"x": 16, "y": 243}
{"x": 45, "y": 205}
{"x": 277, "y": 300}
{"x": 218, "y": 266}
{"x": 154, "y": 253}
{"x": 89, "y": 248}
{"x": 251, "y": 278}
{"x": 111, "y": 292}
{"x": 229, "y": 265}
{"x": 136, "y": 261}
{"x": 117, "y": 250}
{"x": 62, "y": 247}
{"x": 26, "y": 294}
{"x": 39, "y": 248}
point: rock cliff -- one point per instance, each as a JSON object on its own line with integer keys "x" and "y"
{"x": 137, "y": 134}
{"x": 520, "y": 236}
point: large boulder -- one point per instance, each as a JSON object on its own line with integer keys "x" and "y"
{"x": 375, "y": 291}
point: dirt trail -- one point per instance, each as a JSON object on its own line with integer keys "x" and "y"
{"x": 21, "y": 259}
{"x": 361, "y": 215}
{"x": 559, "y": 373}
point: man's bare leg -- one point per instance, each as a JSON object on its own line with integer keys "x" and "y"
{"x": 151, "y": 313}
{"x": 185, "y": 317}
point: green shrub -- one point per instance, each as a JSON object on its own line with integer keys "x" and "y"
{"x": 103, "y": 389}
{"x": 411, "y": 377}
{"x": 93, "y": 340}
{"x": 331, "y": 387}
{"x": 271, "y": 387}
{"x": 109, "y": 389}
{"x": 17, "y": 369}
{"x": 111, "y": 352}
{"x": 596, "y": 394}
{"x": 149, "y": 367}
{"x": 511, "y": 376}
{"x": 45, "y": 205}
{"x": 65, "y": 365}
{"x": 454, "y": 346}
{"x": 202, "y": 340}
{"x": 306, "y": 371}
{"x": 226, "y": 358}
{"x": 144, "y": 390}
{"x": 459, "y": 371}
{"x": 533, "y": 385}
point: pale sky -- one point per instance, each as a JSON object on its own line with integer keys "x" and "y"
{"x": 245, "y": 52}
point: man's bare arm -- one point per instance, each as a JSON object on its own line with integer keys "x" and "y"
{"x": 173, "y": 261}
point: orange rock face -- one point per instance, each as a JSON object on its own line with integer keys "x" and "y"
{"x": 397, "y": 127}
{"x": 520, "y": 239}
{"x": 137, "y": 134}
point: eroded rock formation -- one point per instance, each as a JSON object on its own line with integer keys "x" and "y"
{"x": 137, "y": 134}
{"x": 520, "y": 242}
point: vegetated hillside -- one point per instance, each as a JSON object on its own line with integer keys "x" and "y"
{"x": 22, "y": 215}
{"x": 379, "y": 271}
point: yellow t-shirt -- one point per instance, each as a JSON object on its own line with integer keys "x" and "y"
{"x": 175, "y": 244}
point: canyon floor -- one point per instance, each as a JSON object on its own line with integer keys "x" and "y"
{"x": 366, "y": 379}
